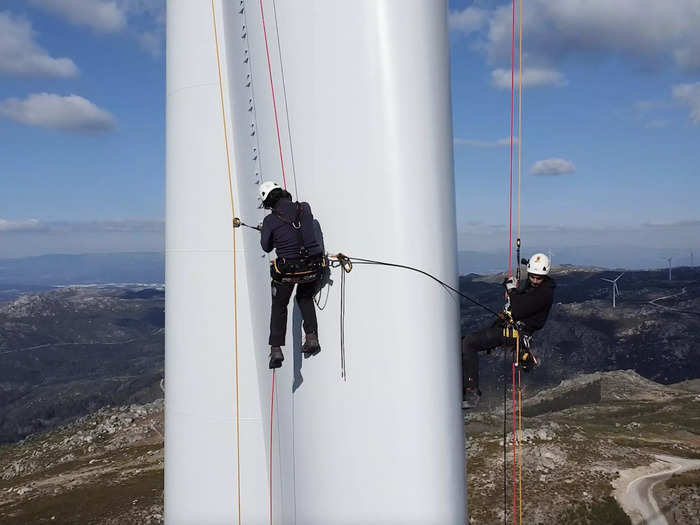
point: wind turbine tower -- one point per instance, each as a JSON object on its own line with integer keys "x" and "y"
{"x": 669, "y": 267}
{"x": 692, "y": 259}
{"x": 615, "y": 289}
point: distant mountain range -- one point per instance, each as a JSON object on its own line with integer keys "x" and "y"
{"x": 68, "y": 352}
{"x": 149, "y": 267}
{"x": 630, "y": 257}
{"x": 57, "y": 269}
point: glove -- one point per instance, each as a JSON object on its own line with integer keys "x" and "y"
{"x": 259, "y": 227}
{"x": 510, "y": 283}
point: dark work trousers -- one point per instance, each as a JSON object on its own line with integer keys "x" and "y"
{"x": 479, "y": 341}
{"x": 278, "y": 314}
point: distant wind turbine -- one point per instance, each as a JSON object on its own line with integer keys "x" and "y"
{"x": 615, "y": 289}
{"x": 669, "y": 259}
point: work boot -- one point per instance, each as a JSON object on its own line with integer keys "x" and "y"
{"x": 311, "y": 347}
{"x": 276, "y": 357}
{"x": 470, "y": 398}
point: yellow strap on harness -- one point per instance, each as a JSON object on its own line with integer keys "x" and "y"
{"x": 511, "y": 332}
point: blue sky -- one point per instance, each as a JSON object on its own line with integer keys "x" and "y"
{"x": 611, "y": 125}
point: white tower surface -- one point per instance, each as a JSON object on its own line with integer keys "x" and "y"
{"x": 362, "y": 96}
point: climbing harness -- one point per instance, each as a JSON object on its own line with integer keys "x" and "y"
{"x": 510, "y": 328}
{"x": 304, "y": 269}
{"x": 522, "y": 341}
{"x": 297, "y": 271}
{"x": 295, "y": 223}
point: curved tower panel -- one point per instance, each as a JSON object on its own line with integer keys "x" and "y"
{"x": 352, "y": 113}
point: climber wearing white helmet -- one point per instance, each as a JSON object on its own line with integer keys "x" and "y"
{"x": 291, "y": 230}
{"x": 530, "y": 302}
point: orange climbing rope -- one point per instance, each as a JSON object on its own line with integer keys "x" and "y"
{"x": 235, "y": 273}
{"x": 516, "y": 411}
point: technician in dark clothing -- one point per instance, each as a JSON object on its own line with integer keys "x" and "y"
{"x": 529, "y": 305}
{"x": 289, "y": 229}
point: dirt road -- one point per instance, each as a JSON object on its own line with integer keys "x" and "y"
{"x": 635, "y": 490}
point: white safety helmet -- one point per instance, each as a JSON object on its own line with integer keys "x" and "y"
{"x": 265, "y": 189}
{"x": 538, "y": 264}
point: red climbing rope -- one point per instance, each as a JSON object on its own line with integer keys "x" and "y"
{"x": 515, "y": 446}
{"x": 284, "y": 183}
{"x": 272, "y": 89}
{"x": 510, "y": 243}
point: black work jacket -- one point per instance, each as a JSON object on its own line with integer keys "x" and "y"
{"x": 277, "y": 232}
{"x": 531, "y": 304}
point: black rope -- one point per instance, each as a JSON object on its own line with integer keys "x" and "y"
{"x": 358, "y": 260}
{"x": 342, "y": 325}
{"x": 286, "y": 103}
{"x": 505, "y": 396}
{"x": 346, "y": 263}
{"x": 317, "y": 297}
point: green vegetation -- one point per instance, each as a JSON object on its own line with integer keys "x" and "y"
{"x": 605, "y": 510}
{"x": 90, "y": 503}
{"x": 687, "y": 479}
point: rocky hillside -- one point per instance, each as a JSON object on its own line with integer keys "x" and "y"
{"x": 68, "y": 352}
{"x": 654, "y": 329}
{"x": 105, "y": 468}
{"x": 575, "y": 444}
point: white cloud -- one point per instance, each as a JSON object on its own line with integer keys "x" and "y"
{"x": 152, "y": 41}
{"x": 689, "y": 94}
{"x": 99, "y": 15}
{"x": 688, "y": 223}
{"x": 532, "y": 77}
{"x": 64, "y": 227}
{"x": 21, "y": 55}
{"x": 29, "y": 225}
{"x": 484, "y": 143}
{"x": 650, "y": 31}
{"x": 143, "y": 20}
{"x": 552, "y": 166}
{"x": 70, "y": 113}
{"x": 468, "y": 20}
{"x": 111, "y": 226}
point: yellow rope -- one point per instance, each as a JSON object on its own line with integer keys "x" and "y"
{"x": 520, "y": 158}
{"x": 235, "y": 282}
{"x": 520, "y": 446}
